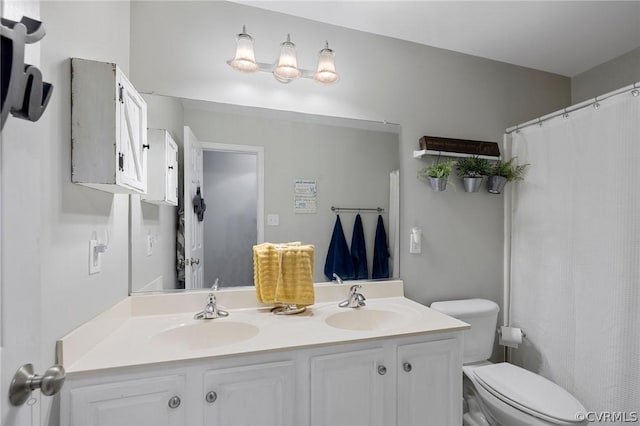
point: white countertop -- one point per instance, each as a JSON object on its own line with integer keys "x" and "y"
{"x": 139, "y": 330}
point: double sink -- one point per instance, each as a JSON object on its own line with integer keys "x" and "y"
{"x": 147, "y": 329}
{"x": 201, "y": 333}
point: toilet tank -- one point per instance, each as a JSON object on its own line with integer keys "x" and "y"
{"x": 481, "y": 315}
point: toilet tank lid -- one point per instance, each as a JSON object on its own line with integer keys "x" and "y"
{"x": 465, "y": 307}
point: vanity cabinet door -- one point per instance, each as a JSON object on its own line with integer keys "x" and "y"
{"x": 162, "y": 185}
{"x": 429, "y": 386}
{"x": 349, "y": 388}
{"x": 108, "y": 129}
{"x": 154, "y": 401}
{"x": 259, "y": 394}
{"x": 132, "y": 143}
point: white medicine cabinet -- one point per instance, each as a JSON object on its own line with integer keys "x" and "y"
{"x": 108, "y": 129}
{"x": 162, "y": 157}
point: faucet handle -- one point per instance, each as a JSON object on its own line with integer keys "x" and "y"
{"x": 211, "y": 299}
{"x": 354, "y": 288}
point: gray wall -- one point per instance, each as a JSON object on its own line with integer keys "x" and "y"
{"x": 230, "y": 222}
{"x": 351, "y": 166}
{"x": 157, "y": 271}
{"x": 428, "y": 91}
{"x": 70, "y": 213}
{"x": 614, "y": 74}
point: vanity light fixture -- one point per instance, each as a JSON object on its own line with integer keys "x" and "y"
{"x": 285, "y": 70}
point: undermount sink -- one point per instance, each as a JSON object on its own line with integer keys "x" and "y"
{"x": 364, "y": 319}
{"x": 206, "y": 334}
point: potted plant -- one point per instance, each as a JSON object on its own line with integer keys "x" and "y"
{"x": 438, "y": 174}
{"x": 472, "y": 170}
{"x": 503, "y": 172}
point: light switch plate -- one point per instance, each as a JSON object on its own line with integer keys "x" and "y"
{"x": 273, "y": 220}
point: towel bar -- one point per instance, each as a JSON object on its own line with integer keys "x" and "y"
{"x": 356, "y": 209}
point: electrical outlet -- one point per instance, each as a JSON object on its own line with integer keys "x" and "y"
{"x": 94, "y": 258}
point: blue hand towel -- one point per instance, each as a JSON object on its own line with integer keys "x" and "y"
{"x": 359, "y": 251}
{"x": 380, "y": 252}
{"x": 338, "y": 256}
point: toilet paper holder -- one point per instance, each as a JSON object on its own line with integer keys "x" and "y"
{"x": 499, "y": 331}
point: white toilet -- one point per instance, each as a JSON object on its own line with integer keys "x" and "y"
{"x": 503, "y": 394}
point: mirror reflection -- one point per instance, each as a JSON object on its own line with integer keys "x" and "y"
{"x": 250, "y": 160}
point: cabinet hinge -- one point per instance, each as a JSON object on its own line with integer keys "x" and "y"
{"x": 121, "y": 162}
{"x": 120, "y": 93}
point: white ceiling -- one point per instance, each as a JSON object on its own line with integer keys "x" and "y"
{"x": 562, "y": 37}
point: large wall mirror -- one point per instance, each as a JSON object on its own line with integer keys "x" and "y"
{"x": 256, "y": 165}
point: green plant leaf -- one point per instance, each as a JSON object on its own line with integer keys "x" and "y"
{"x": 509, "y": 170}
{"x": 438, "y": 170}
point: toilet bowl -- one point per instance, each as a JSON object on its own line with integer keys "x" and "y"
{"x": 503, "y": 393}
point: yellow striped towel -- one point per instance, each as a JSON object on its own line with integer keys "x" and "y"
{"x": 295, "y": 282}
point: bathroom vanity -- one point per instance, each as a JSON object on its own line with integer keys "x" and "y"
{"x": 146, "y": 361}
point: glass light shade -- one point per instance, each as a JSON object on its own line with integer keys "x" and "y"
{"x": 287, "y": 67}
{"x": 326, "y": 71}
{"x": 244, "y": 60}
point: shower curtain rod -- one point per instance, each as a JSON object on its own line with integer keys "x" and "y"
{"x": 633, "y": 88}
{"x": 337, "y": 209}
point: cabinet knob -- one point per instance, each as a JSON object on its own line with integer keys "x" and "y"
{"x": 211, "y": 397}
{"x": 406, "y": 366}
{"x": 174, "y": 402}
{"x": 382, "y": 370}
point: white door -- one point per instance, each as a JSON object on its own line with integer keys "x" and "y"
{"x": 430, "y": 383}
{"x": 20, "y": 319}
{"x": 155, "y": 401}
{"x": 133, "y": 136}
{"x": 193, "y": 227}
{"x": 261, "y": 394}
{"x": 349, "y": 388}
{"x": 171, "y": 155}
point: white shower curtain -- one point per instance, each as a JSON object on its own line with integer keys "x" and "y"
{"x": 575, "y": 254}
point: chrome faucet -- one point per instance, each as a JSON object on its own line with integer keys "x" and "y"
{"x": 355, "y": 299}
{"x": 211, "y": 311}
{"x": 337, "y": 278}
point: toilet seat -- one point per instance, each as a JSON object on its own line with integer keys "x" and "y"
{"x": 529, "y": 392}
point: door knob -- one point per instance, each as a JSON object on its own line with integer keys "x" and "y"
{"x": 25, "y": 381}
